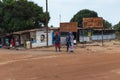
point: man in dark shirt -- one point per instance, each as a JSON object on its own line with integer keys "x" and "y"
{"x": 57, "y": 41}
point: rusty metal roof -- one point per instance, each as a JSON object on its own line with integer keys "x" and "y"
{"x": 31, "y": 30}
{"x": 68, "y": 27}
{"x": 96, "y": 22}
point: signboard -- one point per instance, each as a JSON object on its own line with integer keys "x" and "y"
{"x": 68, "y": 27}
{"x": 89, "y": 34}
{"x": 93, "y": 22}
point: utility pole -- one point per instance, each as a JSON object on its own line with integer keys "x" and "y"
{"x": 60, "y": 18}
{"x": 47, "y": 22}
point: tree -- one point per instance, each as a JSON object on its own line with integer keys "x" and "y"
{"x": 117, "y": 27}
{"x": 16, "y": 15}
{"x": 85, "y": 13}
{"x": 8, "y": 2}
{"x": 106, "y": 24}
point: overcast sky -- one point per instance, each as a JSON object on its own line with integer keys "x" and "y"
{"x": 108, "y": 9}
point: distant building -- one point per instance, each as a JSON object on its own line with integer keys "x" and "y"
{"x": 31, "y": 38}
{"x": 96, "y": 34}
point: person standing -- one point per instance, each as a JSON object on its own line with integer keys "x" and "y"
{"x": 12, "y": 43}
{"x": 70, "y": 42}
{"x": 7, "y": 42}
{"x": 57, "y": 41}
{"x": 17, "y": 43}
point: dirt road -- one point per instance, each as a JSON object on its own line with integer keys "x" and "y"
{"x": 90, "y": 63}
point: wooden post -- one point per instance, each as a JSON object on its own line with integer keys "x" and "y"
{"x": 83, "y": 34}
{"x": 102, "y": 36}
{"x": 47, "y": 21}
{"x": 83, "y": 38}
{"x": 76, "y": 38}
{"x": 2, "y": 41}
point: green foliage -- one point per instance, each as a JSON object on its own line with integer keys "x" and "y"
{"x": 106, "y": 24}
{"x": 8, "y": 2}
{"x": 117, "y": 27}
{"x": 85, "y": 13}
{"x": 16, "y": 15}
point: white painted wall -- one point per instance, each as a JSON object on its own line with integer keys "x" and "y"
{"x": 85, "y": 38}
{"x": 38, "y": 42}
{"x": 105, "y": 37}
{"x": 63, "y": 40}
{"x": 97, "y": 37}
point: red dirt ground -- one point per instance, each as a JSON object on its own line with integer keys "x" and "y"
{"x": 90, "y": 63}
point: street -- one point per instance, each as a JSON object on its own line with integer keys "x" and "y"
{"x": 90, "y": 63}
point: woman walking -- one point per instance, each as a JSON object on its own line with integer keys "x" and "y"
{"x": 70, "y": 42}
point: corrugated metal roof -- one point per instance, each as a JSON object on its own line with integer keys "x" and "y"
{"x": 31, "y": 30}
